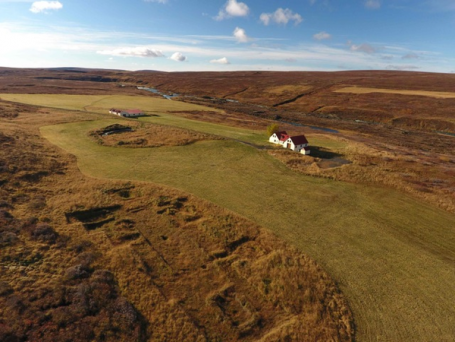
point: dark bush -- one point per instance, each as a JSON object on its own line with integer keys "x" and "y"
{"x": 87, "y": 258}
{"x": 103, "y": 276}
{"x": 5, "y": 289}
{"x": 81, "y": 246}
{"x": 44, "y": 232}
{"x": 8, "y": 238}
{"x": 77, "y": 272}
{"x": 125, "y": 312}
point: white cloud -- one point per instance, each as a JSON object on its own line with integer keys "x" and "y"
{"x": 365, "y": 47}
{"x": 223, "y": 60}
{"x": 233, "y": 8}
{"x": 178, "y": 57}
{"x": 240, "y": 35}
{"x": 158, "y": 1}
{"x": 322, "y": 35}
{"x": 411, "y": 55}
{"x": 281, "y": 16}
{"x": 133, "y": 52}
{"x": 44, "y": 6}
{"x": 373, "y": 4}
{"x": 402, "y": 67}
{"x": 441, "y": 5}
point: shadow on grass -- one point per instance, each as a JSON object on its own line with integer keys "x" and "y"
{"x": 328, "y": 159}
{"x": 144, "y": 116}
{"x": 323, "y": 153}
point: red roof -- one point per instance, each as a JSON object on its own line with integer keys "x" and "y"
{"x": 280, "y": 134}
{"x": 299, "y": 140}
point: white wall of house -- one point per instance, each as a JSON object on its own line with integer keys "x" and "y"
{"x": 274, "y": 139}
{"x": 290, "y": 145}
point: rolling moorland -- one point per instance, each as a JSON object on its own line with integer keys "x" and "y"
{"x": 373, "y": 206}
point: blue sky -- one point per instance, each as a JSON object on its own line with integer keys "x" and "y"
{"x": 212, "y": 35}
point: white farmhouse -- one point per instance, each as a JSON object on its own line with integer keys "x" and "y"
{"x": 296, "y": 143}
{"x": 278, "y": 137}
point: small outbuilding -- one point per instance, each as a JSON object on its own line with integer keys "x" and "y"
{"x": 131, "y": 113}
{"x": 305, "y": 150}
{"x": 128, "y": 113}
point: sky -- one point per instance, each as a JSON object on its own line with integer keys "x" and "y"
{"x": 220, "y": 35}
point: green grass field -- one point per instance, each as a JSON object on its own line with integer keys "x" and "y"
{"x": 392, "y": 256}
{"x": 102, "y": 103}
{"x": 247, "y": 135}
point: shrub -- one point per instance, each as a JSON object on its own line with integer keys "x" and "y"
{"x": 44, "y": 232}
{"x": 77, "y": 272}
{"x": 272, "y": 128}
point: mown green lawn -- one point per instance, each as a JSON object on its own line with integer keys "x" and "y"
{"x": 392, "y": 256}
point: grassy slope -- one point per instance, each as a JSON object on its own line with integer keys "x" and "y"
{"x": 392, "y": 256}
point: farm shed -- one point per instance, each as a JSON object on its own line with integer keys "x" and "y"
{"x": 128, "y": 113}
{"x": 131, "y": 113}
{"x": 114, "y": 111}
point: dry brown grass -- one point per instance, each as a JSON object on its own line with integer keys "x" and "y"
{"x": 287, "y": 89}
{"x": 366, "y": 90}
{"x": 192, "y": 271}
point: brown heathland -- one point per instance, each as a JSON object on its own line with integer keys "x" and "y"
{"x": 393, "y": 139}
{"x": 125, "y": 261}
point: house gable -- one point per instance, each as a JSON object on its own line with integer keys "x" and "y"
{"x": 278, "y": 137}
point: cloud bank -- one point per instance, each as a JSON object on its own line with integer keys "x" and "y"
{"x": 132, "y": 52}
